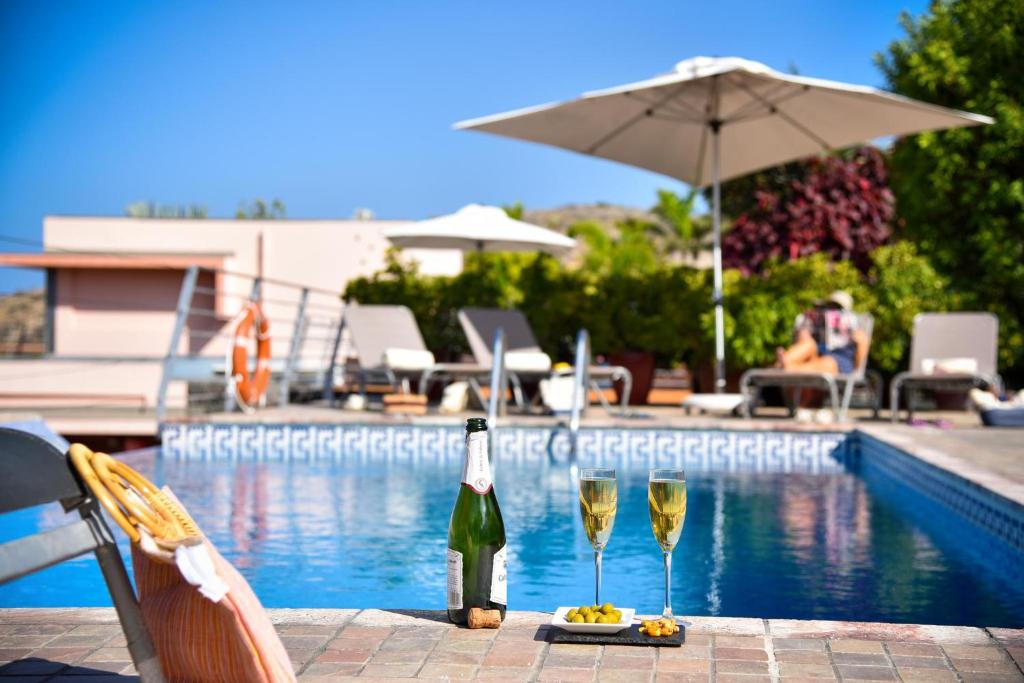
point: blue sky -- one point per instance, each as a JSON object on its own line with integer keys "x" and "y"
{"x": 331, "y": 106}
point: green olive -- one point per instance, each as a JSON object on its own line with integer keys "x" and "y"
{"x": 617, "y": 614}
{"x": 590, "y": 618}
{"x": 595, "y": 608}
{"x": 578, "y": 619}
{"x": 607, "y": 608}
{"x": 583, "y": 610}
{"x": 570, "y": 614}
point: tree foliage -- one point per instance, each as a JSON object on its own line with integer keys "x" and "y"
{"x": 739, "y": 195}
{"x": 260, "y": 210}
{"x": 960, "y": 193}
{"x": 514, "y": 211}
{"x": 631, "y": 251}
{"x": 840, "y": 205}
{"x": 147, "y": 209}
{"x": 681, "y": 231}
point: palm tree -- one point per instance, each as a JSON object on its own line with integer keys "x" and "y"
{"x": 681, "y": 232}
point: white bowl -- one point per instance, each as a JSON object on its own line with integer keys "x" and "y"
{"x": 559, "y": 620}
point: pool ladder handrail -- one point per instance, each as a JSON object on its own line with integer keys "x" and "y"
{"x": 581, "y": 372}
{"x": 499, "y": 379}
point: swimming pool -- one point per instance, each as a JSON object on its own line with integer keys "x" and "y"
{"x": 780, "y": 524}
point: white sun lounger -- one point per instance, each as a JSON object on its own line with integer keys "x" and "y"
{"x": 524, "y": 357}
{"x": 965, "y": 342}
{"x": 387, "y": 343}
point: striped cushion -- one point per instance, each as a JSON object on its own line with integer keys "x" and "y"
{"x": 199, "y": 640}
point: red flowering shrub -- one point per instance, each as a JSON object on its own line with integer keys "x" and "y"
{"x": 839, "y": 205}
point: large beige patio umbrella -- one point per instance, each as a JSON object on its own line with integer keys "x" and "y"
{"x": 712, "y": 119}
{"x": 479, "y": 228}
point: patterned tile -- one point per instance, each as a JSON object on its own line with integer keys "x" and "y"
{"x": 999, "y": 516}
{"x": 706, "y": 450}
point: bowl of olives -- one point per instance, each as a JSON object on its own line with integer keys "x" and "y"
{"x": 606, "y": 618}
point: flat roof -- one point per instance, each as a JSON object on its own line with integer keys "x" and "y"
{"x": 115, "y": 261}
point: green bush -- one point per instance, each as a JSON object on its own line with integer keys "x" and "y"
{"x": 666, "y": 310}
{"x": 902, "y": 284}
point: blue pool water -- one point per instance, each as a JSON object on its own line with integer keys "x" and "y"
{"x": 803, "y": 530}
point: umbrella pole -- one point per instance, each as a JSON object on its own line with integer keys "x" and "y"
{"x": 716, "y": 226}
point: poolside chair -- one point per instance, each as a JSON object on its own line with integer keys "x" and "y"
{"x": 33, "y": 472}
{"x": 205, "y": 622}
{"x": 524, "y": 357}
{"x": 388, "y": 345}
{"x": 949, "y": 351}
{"x": 753, "y": 380}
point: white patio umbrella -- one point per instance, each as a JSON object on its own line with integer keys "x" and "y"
{"x": 480, "y": 228}
{"x": 712, "y": 119}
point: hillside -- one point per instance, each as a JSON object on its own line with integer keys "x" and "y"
{"x": 608, "y": 216}
{"x": 22, "y": 320}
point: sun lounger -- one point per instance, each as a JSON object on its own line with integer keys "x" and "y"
{"x": 840, "y": 387}
{"x": 33, "y": 472}
{"x": 388, "y": 344}
{"x": 524, "y": 357}
{"x": 949, "y": 351}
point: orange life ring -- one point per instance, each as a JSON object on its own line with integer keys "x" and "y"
{"x": 250, "y": 388}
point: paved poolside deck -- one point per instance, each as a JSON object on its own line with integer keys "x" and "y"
{"x": 375, "y": 645}
{"x": 100, "y": 420}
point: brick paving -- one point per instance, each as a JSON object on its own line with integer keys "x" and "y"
{"x": 82, "y": 645}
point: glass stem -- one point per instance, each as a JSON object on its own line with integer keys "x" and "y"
{"x": 667, "y": 612}
{"x": 597, "y": 575}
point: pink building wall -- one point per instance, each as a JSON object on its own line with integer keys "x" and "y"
{"x": 103, "y": 312}
{"x": 138, "y": 305}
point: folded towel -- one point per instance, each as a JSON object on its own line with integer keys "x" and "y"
{"x": 408, "y": 359}
{"x": 527, "y": 361}
{"x": 949, "y": 366}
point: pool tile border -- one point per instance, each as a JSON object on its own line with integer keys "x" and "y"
{"x": 706, "y": 449}
{"x": 1001, "y": 517}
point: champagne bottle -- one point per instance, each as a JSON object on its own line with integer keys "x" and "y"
{"x": 477, "y": 566}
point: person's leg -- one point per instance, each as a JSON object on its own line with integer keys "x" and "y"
{"x": 803, "y": 350}
{"x": 860, "y": 356}
{"x": 826, "y": 364}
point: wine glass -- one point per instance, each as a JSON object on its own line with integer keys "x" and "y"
{"x": 599, "y": 497}
{"x": 666, "y": 499}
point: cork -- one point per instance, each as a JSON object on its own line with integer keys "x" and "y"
{"x": 484, "y": 618}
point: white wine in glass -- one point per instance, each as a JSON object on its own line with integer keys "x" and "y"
{"x": 599, "y": 500}
{"x": 666, "y": 499}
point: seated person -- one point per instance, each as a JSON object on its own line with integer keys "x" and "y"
{"x": 827, "y": 339}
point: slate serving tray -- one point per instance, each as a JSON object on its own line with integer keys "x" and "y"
{"x": 630, "y": 636}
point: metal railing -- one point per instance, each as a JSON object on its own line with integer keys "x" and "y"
{"x": 499, "y": 381}
{"x": 581, "y": 385}
{"x": 304, "y": 321}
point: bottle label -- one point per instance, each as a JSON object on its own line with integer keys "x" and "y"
{"x": 499, "y": 577}
{"x": 477, "y": 471}
{"x": 454, "y": 579}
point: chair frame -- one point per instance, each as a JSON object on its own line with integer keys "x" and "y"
{"x": 753, "y": 380}
{"x": 33, "y": 472}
